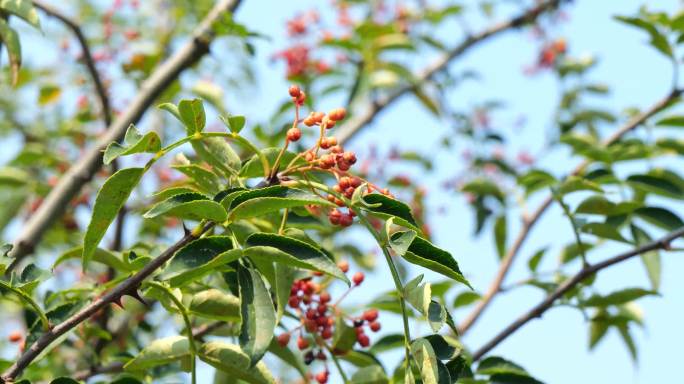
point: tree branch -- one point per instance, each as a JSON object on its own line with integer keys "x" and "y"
{"x": 87, "y": 56}
{"x": 358, "y": 122}
{"x": 128, "y": 286}
{"x": 529, "y": 222}
{"x": 583, "y": 274}
{"x": 82, "y": 172}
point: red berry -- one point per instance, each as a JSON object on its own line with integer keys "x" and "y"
{"x": 343, "y": 265}
{"x": 293, "y": 302}
{"x": 335, "y": 216}
{"x": 346, "y": 220}
{"x": 328, "y": 122}
{"x": 375, "y": 326}
{"x": 343, "y": 165}
{"x": 355, "y": 182}
{"x": 363, "y": 340}
{"x": 358, "y": 278}
{"x": 310, "y": 325}
{"x": 302, "y": 343}
{"x": 349, "y": 157}
{"x": 301, "y": 98}
{"x": 345, "y": 182}
{"x": 322, "y": 377}
{"x": 327, "y": 333}
{"x": 337, "y": 114}
{"x": 15, "y": 337}
{"x": 294, "y": 91}
{"x": 294, "y": 134}
{"x": 310, "y": 314}
{"x": 321, "y": 355}
{"x": 322, "y": 309}
{"x": 324, "y": 297}
{"x": 336, "y": 149}
{"x": 283, "y": 339}
{"x": 370, "y": 315}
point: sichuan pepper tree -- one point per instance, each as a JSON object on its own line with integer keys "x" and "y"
{"x": 208, "y": 241}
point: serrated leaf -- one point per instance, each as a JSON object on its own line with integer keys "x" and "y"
{"x": 386, "y": 207}
{"x": 110, "y": 199}
{"x": 10, "y": 39}
{"x": 293, "y": 252}
{"x": 24, "y": 9}
{"x": 400, "y": 243}
{"x": 134, "y": 142}
{"x": 160, "y": 352}
{"x": 425, "y": 254}
{"x": 215, "y": 304}
{"x": 205, "y": 179}
{"x": 192, "y": 206}
{"x": 258, "y": 314}
{"x": 192, "y": 114}
{"x": 230, "y": 359}
{"x": 426, "y": 360}
{"x": 622, "y": 296}
{"x": 372, "y": 374}
{"x": 466, "y": 298}
{"x": 187, "y": 262}
{"x": 258, "y": 202}
{"x": 660, "y": 217}
{"x": 445, "y": 347}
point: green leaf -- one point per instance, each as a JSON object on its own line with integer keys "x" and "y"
{"x": 660, "y": 217}
{"x": 603, "y": 230}
{"x": 64, "y": 380}
{"x": 445, "y": 347}
{"x": 599, "y": 205}
{"x": 258, "y": 202}
{"x": 218, "y": 153}
{"x": 10, "y": 39}
{"x": 187, "y": 262}
{"x": 386, "y": 207}
{"x": 425, "y": 254}
{"x": 160, "y": 352}
{"x": 204, "y": 179}
{"x": 400, "y": 243}
{"x": 598, "y": 328}
{"x": 658, "y": 40}
{"x": 192, "y": 206}
{"x": 617, "y": 298}
{"x": 418, "y": 294}
{"x": 134, "y": 142}
{"x": 651, "y": 259}
{"x": 671, "y": 121}
{"x": 484, "y": 187}
{"x": 293, "y": 252}
{"x": 574, "y": 184}
{"x": 344, "y": 337}
{"x": 500, "y": 235}
{"x": 496, "y": 365}
{"x": 258, "y": 314}
{"x": 436, "y": 316}
{"x": 234, "y": 123}
{"x": 100, "y": 255}
{"x": 373, "y": 374}
{"x": 535, "y": 180}
{"x": 284, "y": 278}
{"x": 230, "y": 359}
{"x": 215, "y": 304}
{"x": 192, "y": 114}
{"x": 24, "y": 9}
{"x": 654, "y": 184}
{"x": 109, "y": 201}
{"x": 534, "y": 261}
{"x": 466, "y": 298}
{"x": 172, "y": 109}
{"x": 426, "y": 360}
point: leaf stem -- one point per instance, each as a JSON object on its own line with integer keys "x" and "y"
{"x": 29, "y": 300}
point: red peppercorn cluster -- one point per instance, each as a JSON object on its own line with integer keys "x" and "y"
{"x": 317, "y": 317}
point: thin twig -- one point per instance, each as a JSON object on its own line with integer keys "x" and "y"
{"x": 529, "y": 222}
{"x": 83, "y": 171}
{"x": 358, "y": 122}
{"x": 583, "y": 274}
{"x": 128, "y": 286}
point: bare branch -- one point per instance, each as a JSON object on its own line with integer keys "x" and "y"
{"x": 583, "y": 274}
{"x": 358, "y": 122}
{"x": 529, "y": 222}
{"x": 82, "y": 172}
{"x": 128, "y": 286}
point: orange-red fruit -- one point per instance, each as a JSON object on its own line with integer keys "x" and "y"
{"x": 15, "y": 337}
{"x": 322, "y": 377}
{"x": 346, "y": 220}
{"x": 294, "y": 91}
{"x": 370, "y": 315}
{"x": 301, "y": 98}
{"x": 302, "y": 343}
{"x": 374, "y": 326}
{"x": 283, "y": 339}
{"x": 363, "y": 339}
{"x": 355, "y": 182}
{"x": 336, "y": 149}
{"x": 294, "y": 134}
{"x": 337, "y": 114}
{"x": 293, "y": 302}
{"x": 324, "y": 297}
{"x": 335, "y": 216}
{"x": 343, "y": 165}
{"x": 349, "y": 157}
{"x": 328, "y": 122}
{"x": 343, "y": 265}
{"x": 358, "y": 278}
